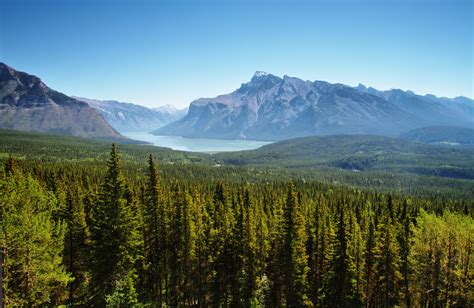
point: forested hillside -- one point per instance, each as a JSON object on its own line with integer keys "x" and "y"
{"x": 86, "y": 234}
{"x": 367, "y": 162}
{"x": 445, "y": 135}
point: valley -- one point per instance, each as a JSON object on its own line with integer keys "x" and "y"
{"x": 193, "y": 154}
{"x": 205, "y": 145}
{"x": 370, "y": 162}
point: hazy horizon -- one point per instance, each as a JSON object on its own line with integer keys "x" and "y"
{"x": 159, "y": 53}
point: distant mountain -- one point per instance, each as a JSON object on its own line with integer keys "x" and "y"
{"x": 171, "y": 113}
{"x": 126, "y": 117}
{"x": 429, "y": 108}
{"x": 27, "y": 104}
{"x": 273, "y": 108}
{"x": 445, "y": 135}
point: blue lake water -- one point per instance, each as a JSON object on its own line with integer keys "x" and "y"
{"x": 196, "y": 144}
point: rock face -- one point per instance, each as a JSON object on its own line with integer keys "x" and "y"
{"x": 27, "y": 104}
{"x": 273, "y": 108}
{"x": 430, "y": 109}
{"x": 126, "y": 117}
{"x": 171, "y": 112}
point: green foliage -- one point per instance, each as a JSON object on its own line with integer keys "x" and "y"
{"x": 76, "y": 246}
{"x": 449, "y": 135}
{"x": 196, "y": 235}
{"x": 371, "y": 162}
{"x": 293, "y": 253}
{"x": 443, "y": 260}
{"x": 114, "y": 239}
{"x": 31, "y": 243}
{"x": 340, "y": 289}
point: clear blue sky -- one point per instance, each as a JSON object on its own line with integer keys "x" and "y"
{"x": 172, "y": 52}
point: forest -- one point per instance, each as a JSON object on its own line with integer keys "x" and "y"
{"x": 77, "y": 235}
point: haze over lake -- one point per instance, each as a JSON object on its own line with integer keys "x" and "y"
{"x": 196, "y": 144}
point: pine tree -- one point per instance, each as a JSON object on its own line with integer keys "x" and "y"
{"x": 32, "y": 242}
{"x": 387, "y": 267}
{"x": 76, "y": 245}
{"x": 220, "y": 242}
{"x": 155, "y": 236}
{"x": 403, "y": 237}
{"x": 341, "y": 285}
{"x": 249, "y": 270}
{"x": 275, "y": 263}
{"x": 202, "y": 270}
{"x": 176, "y": 238}
{"x": 369, "y": 272}
{"x": 182, "y": 239}
{"x": 294, "y": 258}
{"x": 113, "y": 239}
{"x": 313, "y": 256}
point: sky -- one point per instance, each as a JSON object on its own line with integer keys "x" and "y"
{"x": 154, "y": 53}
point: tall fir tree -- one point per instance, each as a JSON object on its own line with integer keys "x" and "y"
{"x": 76, "y": 248}
{"x": 155, "y": 236}
{"x": 113, "y": 239}
{"x": 369, "y": 271}
{"x": 294, "y": 258}
{"x": 249, "y": 254}
{"x": 340, "y": 289}
{"x": 404, "y": 240}
{"x": 387, "y": 262}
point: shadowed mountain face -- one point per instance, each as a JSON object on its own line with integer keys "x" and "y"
{"x": 273, "y": 108}
{"x": 126, "y": 117}
{"x": 27, "y": 104}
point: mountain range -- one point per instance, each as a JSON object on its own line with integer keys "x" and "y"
{"x": 127, "y": 117}
{"x": 265, "y": 108}
{"x": 273, "y": 108}
{"x": 27, "y": 104}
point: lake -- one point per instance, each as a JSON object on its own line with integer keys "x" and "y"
{"x": 196, "y": 144}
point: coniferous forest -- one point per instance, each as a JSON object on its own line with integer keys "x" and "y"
{"x": 237, "y": 153}
{"x": 81, "y": 236}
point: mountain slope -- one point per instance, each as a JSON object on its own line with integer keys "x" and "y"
{"x": 126, "y": 117}
{"x": 273, "y": 108}
{"x": 429, "y": 108}
{"x": 359, "y": 153}
{"x": 447, "y": 135}
{"x": 27, "y": 104}
{"x": 171, "y": 113}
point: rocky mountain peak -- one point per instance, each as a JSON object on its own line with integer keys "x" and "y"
{"x": 260, "y": 74}
{"x": 26, "y": 103}
{"x": 272, "y": 108}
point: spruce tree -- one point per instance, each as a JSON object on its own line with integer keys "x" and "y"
{"x": 113, "y": 239}
{"x": 341, "y": 285}
{"x": 369, "y": 273}
{"x": 155, "y": 236}
{"x": 32, "y": 243}
{"x": 76, "y": 247}
{"x": 294, "y": 256}
{"x": 404, "y": 238}
{"x": 249, "y": 254}
{"x": 387, "y": 267}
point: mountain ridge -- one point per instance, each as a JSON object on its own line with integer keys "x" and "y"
{"x": 272, "y": 108}
{"x": 129, "y": 117}
{"x": 27, "y": 104}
